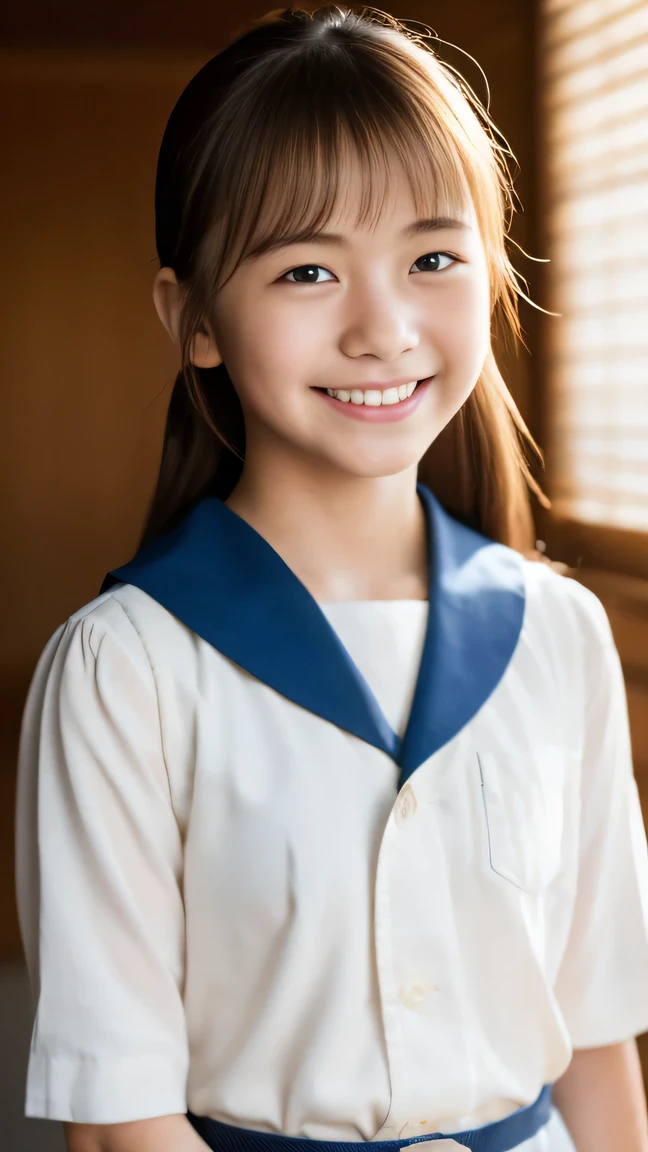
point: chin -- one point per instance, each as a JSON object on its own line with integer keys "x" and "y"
{"x": 371, "y": 466}
{"x": 363, "y": 458}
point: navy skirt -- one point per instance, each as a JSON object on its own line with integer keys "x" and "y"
{"x": 500, "y": 1136}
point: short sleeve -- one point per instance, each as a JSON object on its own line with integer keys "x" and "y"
{"x": 602, "y": 984}
{"x": 98, "y": 866}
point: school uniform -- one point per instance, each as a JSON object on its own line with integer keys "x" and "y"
{"x": 352, "y": 872}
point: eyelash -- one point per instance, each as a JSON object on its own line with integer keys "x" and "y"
{"x": 454, "y": 260}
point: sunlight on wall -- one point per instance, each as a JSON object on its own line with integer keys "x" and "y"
{"x": 595, "y": 168}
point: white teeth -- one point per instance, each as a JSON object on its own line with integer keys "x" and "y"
{"x": 373, "y": 397}
{"x": 390, "y": 396}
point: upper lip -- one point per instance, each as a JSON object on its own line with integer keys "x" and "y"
{"x": 378, "y": 386}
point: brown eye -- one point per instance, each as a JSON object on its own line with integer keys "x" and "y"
{"x": 307, "y": 271}
{"x": 434, "y": 258}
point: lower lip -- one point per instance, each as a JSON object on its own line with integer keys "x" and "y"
{"x": 383, "y": 413}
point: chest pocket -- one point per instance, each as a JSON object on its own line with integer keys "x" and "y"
{"x": 524, "y": 803}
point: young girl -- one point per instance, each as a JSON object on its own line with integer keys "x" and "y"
{"x": 327, "y": 825}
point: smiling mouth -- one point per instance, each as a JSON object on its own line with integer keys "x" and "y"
{"x": 373, "y": 397}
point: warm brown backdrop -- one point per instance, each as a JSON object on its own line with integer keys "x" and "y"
{"x": 85, "y": 91}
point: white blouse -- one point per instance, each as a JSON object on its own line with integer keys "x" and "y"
{"x": 228, "y": 905}
{"x": 385, "y": 640}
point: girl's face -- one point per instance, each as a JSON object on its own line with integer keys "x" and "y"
{"x": 365, "y": 316}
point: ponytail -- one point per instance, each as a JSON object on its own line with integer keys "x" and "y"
{"x": 196, "y": 457}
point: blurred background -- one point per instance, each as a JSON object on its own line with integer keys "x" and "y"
{"x": 87, "y": 369}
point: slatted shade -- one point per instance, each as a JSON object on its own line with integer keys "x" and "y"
{"x": 594, "y": 96}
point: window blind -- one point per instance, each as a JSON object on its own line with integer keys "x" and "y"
{"x": 594, "y": 99}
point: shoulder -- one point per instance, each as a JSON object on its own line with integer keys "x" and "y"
{"x": 564, "y": 611}
{"x": 106, "y": 638}
{"x": 124, "y": 612}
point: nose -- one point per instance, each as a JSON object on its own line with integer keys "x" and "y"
{"x": 379, "y": 324}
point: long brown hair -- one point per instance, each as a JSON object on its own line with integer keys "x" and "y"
{"x": 252, "y": 152}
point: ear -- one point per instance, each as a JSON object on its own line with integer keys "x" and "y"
{"x": 168, "y": 297}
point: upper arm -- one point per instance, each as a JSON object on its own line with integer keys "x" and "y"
{"x": 99, "y": 871}
{"x": 602, "y": 1100}
{"x": 159, "y": 1134}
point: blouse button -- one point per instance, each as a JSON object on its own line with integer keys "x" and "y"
{"x": 413, "y": 995}
{"x": 406, "y": 806}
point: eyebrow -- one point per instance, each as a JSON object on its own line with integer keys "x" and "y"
{"x": 336, "y": 239}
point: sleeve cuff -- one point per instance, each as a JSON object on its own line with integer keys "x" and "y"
{"x": 599, "y": 1033}
{"x": 91, "y": 1090}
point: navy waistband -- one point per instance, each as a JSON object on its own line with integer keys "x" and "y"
{"x": 500, "y": 1136}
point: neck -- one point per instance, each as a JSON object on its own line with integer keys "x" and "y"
{"x": 345, "y": 537}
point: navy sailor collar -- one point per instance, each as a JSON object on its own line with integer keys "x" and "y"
{"x": 225, "y": 582}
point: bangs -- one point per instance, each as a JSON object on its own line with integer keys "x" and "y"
{"x": 311, "y": 117}
{"x": 307, "y": 184}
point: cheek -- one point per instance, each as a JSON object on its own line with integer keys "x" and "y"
{"x": 463, "y": 330}
{"x": 264, "y": 358}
